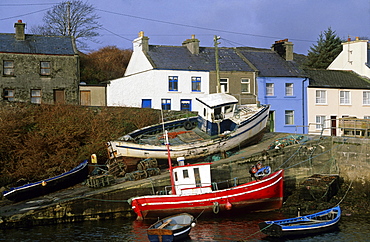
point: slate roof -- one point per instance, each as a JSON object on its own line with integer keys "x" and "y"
{"x": 336, "y": 79}
{"x": 271, "y": 64}
{"x": 37, "y": 44}
{"x": 180, "y": 58}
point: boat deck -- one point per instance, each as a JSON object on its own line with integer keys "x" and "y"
{"x": 176, "y": 137}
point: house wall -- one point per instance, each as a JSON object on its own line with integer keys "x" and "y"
{"x": 279, "y": 103}
{"x": 234, "y": 83}
{"x": 64, "y": 76}
{"x": 97, "y": 94}
{"x": 129, "y": 91}
{"x": 333, "y": 108}
{"x": 353, "y": 57}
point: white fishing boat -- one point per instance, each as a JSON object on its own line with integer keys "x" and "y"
{"x": 222, "y": 125}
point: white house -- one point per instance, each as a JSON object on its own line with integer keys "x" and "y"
{"x": 172, "y": 77}
{"x": 355, "y": 56}
{"x": 334, "y": 95}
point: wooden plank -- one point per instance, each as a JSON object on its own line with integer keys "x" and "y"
{"x": 165, "y": 224}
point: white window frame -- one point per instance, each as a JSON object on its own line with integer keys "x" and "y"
{"x": 270, "y": 89}
{"x": 289, "y": 89}
{"x": 366, "y": 97}
{"x": 289, "y": 117}
{"x": 321, "y": 97}
{"x": 245, "y": 82}
{"x": 36, "y": 96}
{"x": 224, "y": 85}
{"x": 345, "y": 97}
{"x": 320, "y": 122}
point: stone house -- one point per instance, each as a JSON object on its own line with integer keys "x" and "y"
{"x": 38, "y": 69}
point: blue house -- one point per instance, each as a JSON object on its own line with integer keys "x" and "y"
{"x": 282, "y": 84}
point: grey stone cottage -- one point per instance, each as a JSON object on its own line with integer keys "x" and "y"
{"x": 38, "y": 68}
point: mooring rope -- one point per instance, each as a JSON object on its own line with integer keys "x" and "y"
{"x": 259, "y": 231}
{"x": 345, "y": 193}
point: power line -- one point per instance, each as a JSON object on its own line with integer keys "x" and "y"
{"x": 24, "y": 14}
{"x": 197, "y": 27}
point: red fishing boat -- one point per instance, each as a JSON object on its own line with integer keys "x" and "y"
{"x": 193, "y": 191}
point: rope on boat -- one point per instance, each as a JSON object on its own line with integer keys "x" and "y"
{"x": 259, "y": 231}
{"x": 345, "y": 193}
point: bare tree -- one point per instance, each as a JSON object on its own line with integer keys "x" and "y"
{"x": 71, "y": 18}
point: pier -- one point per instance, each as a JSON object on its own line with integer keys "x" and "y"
{"x": 343, "y": 156}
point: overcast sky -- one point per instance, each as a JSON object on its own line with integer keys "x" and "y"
{"x": 253, "y": 23}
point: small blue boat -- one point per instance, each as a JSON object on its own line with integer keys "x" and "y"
{"x": 36, "y": 189}
{"x": 172, "y": 228}
{"x": 320, "y": 222}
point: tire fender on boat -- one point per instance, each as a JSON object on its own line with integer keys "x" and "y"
{"x": 188, "y": 125}
{"x": 216, "y": 207}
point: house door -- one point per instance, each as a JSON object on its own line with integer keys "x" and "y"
{"x": 85, "y": 98}
{"x": 146, "y": 103}
{"x": 198, "y": 181}
{"x": 59, "y": 97}
{"x": 271, "y": 121}
{"x": 333, "y": 120}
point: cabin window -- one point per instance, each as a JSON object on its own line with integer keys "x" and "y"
{"x": 45, "y": 68}
{"x": 36, "y": 96}
{"x": 172, "y": 83}
{"x": 224, "y": 85}
{"x": 245, "y": 84}
{"x": 166, "y": 104}
{"x": 269, "y": 89}
{"x": 218, "y": 113}
{"x": 320, "y": 97}
{"x": 195, "y": 84}
{"x": 204, "y": 112}
{"x": 228, "y": 109}
{"x": 289, "y": 117}
{"x": 8, "y": 68}
{"x": 366, "y": 98}
{"x": 9, "y": 94}
{"x": 345, "y": 97}
{"x": 176, "y": 178}
{"x": 185, "y": 173}
{"x": 185, "y": 105}
{"x": 288, "y": 89}
{"x": 320, "y": 122}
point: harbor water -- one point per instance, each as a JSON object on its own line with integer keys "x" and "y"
{"x": 242, "y": 227}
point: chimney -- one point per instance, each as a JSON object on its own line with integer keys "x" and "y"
{"x": 141, "y": 43}
{"x": 19, "y": 30}
{"x": 192, "y": 45}
{"x": 284, "y": 48}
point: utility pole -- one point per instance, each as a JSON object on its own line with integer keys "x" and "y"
{"x": 215, "y": 40}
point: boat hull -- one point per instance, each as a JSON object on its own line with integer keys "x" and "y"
{"x": 248, "y": 132}
{"x": 324, "y": 221}
{"x": 40, "y": 188}
{"x": 255, "y": 196}
{"x": 178, "y": 229}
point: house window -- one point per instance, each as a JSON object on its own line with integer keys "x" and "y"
{"x": 195, "y": 84}
{"x": 166, "y": 104}
{"x": 8, "y": 68}
{"x": 173, "y": 83}
{"x": 288, "y": 89}
{"x": 269, "y": 89}
{"x": 224, "y": 85}
{"x": 185, "y": 105}
{"x": 345, "y": 97}
{"x": 289, "y": 117}
{"x": 245, "y": 83}
{"x": 320, "y": 97}
{"x": 366, "y": 98}
{"x": 9, "y": 94}
{"x": 36, "y": 96}
{"x": 45, "y": 68}
{"x": 146, "y": 103}
{"x": 320, "y": 122}
{"x": 367, "y": 117}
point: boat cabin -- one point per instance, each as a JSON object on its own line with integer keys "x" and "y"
{"x": 215, "y": 114}
{"x": 192, "y": 179}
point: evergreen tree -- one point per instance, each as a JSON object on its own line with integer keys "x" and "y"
{"x": 325, "y": 51}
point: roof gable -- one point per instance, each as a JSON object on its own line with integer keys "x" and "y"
{"x": 37, "y": 44}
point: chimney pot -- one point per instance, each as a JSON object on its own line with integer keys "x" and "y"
{"x": 357, "y": 38}
{"x": 141, "y": 34}
{"x": 19, "y": 21}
